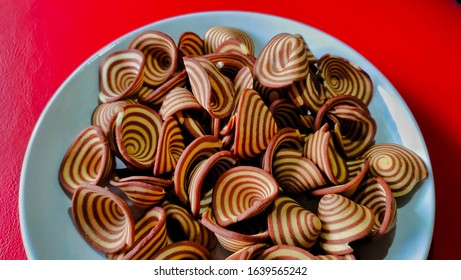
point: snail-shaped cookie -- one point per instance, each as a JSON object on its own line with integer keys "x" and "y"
{"x": 121, "y": 75}
{"x": 343, "y": 221}
{"x": 88, "y": 160}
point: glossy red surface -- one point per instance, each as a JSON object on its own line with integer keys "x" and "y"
{"x": 416, "y": 44}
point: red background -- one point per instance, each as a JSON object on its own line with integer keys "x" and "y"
{"x": 416, "y": 44}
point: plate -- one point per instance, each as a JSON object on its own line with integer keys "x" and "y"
{"x": 46, "y": 227}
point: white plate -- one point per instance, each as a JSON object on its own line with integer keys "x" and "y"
{"x": 47, "y": 230}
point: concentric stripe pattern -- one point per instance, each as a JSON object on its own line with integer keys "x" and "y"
{"x": 343, "y": 221}
{"x": 162, "y": 182}
{"x": 307, "y": 93}
{"x": 169, "y": 148}
{"x": 336, "y": 257}
{"x": 399, "y": 166}
{"x": 342, "y": 77}
{"x": 203, "y": 178}
{"x": 151, "y": 235}
{"x": 105, "y": 113}
{"x": 87, "y": 160}
{"x": 311, "y": 58}
{"x": 190, "y": 44}
{"x": 178, "y": 99}
{"x": 144, "y": 195}
{"x": 358, "y": 170}
{"x": 253, "y": 118}
{"x": 229, "y": 64}
{"x": 199, "y": 149}
{"x": 285, "y": 138}
{"x": 375, "y": 194}
{"x": 233, "y": 46}
{"x": 282, "y": 61}
{"x": 355, "y": 129}
{"x": 321, "y": 149}
{"x": 121, "y": 75}
{"x": 102, "y": 218}
{"x": 161, "y": 56}
{"x": 222, "y": 100}
{"x": 215, "y": 36}
{"x": 291, "y": 224}
{"x": 295, "y": 173}
{"x": 199, "y": 81}
{"x": 242, "y": 192}
{"x": 155, "y": 97}
{"x": 242, "y": 81}
{"x": 137, "y": 133}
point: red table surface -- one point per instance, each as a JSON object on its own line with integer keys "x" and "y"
{"x": 416, "y": 44}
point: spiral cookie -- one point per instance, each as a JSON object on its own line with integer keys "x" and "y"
{"x": 177, "y": 100}
{"x": 169, "y": 148}
{"x": 161, "y": 56}
{"x": 124, "y": 178}
{"x": 243, "y": 80}
{"x": 199, "y": 149}
{"x": 242, "y": 192}
{"x": 155, "y": 96}
{"x": 342, "y": 77}
{"x": 307, "y": 93}
{"x": 212, "y": 90}
{"x": 321, "y": 149}
{"x": 343, "y": 221}
{"x": 358, "y": 170}
{"x": 216, "y": 36}
{"x": 375, "y": 194}
{"x": 288, "y": 138}
{"x": 190, "y": 44}
{"x": 282, "y": 61}
{"x": 150, "y": 236}
{"x": 137, "y": 130}
{"x": 253, "y": 118}
{"x": 291, "y": 224}
{"x": 400, "y": 167}
{"x": 295, "y": 173}
{"x": 87, "y": 160}
{"x": 352, "y": 124}
{"x": 354, "y": 128}
{"x": 121, "y": 75}
{"x": 105, "y": 113}
{"x": 203, "y": 177}
{"x": 143, "y": 194}
{"x": 102, "y": 218}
